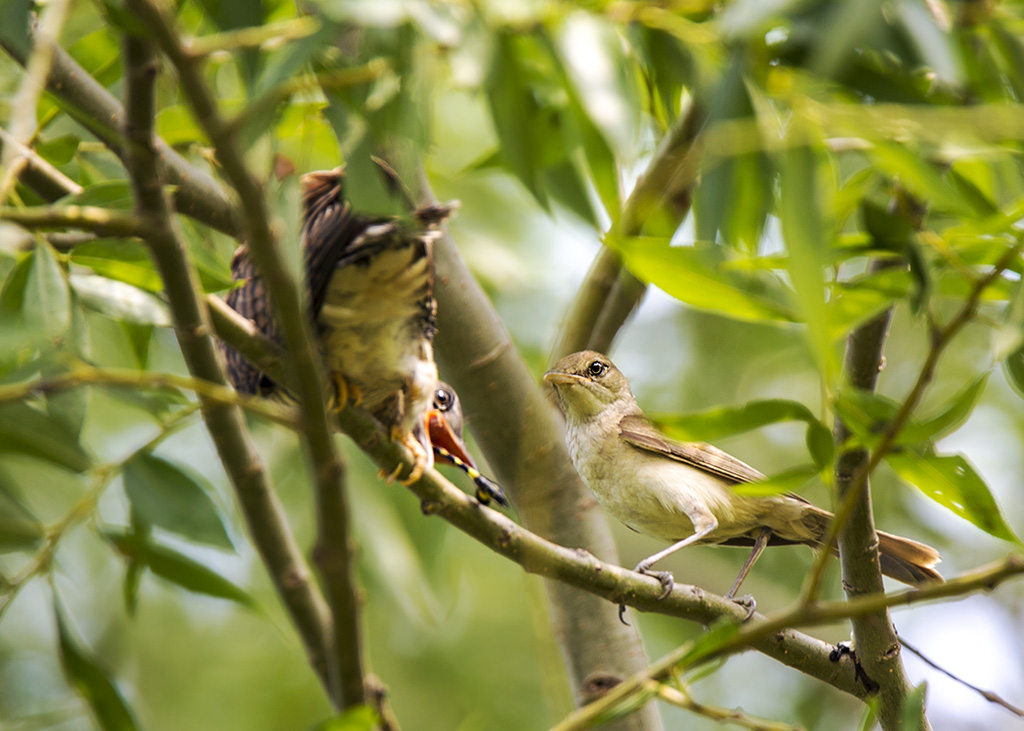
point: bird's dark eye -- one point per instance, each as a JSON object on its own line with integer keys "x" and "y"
{"x": 443, "y": 399}
{"x": 597, "y": 369}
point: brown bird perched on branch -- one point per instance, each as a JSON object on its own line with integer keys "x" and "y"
{"x": 370, "y": 286}
{"x": 683, "y": 492}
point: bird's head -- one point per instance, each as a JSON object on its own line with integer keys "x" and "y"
{"x": 444, "y": 423}
{"x": 588, "y": 383}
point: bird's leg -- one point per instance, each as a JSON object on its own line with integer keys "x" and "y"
{"x": 748, "y": 601}
{"x": 421, "y": 457}
{"x": 707, "y": 524}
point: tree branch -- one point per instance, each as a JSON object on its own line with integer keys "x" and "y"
{"x": 333, "y": 554}
{"x": 264, "y": 514}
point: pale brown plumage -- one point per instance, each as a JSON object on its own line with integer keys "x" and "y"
{"x": 682, "y": 492}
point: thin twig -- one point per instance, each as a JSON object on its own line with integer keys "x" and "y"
{"x": 333, "y": 551}
{"x": 226, "y": 424}
{"x": 103, "y": 221}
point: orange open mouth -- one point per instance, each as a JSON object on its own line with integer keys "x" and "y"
{"x": 441, "y": 435}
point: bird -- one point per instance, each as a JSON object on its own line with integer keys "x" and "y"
{"x": 370, "y": 291}
{"x": 682, "y": 492}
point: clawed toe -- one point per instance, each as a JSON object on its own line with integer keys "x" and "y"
{"x": 746, "y": 601}
{"x": 663, "y": 577}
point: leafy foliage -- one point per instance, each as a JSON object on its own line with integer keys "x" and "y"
{"x": 826, "y": 135}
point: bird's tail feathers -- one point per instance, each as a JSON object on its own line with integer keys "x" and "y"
{"x": 907, "y": 560}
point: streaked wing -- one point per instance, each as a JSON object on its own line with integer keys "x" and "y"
{"x": 250, "y": 301}
{"x": 639, "y": 432}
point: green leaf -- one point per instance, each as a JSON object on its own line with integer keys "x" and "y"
{"x": 124, "y": 261}
{"x": 920, "y": 177}
{"x": 865, "y": 414}
{"x": 953, "y": 482}
{"x": 19, "y": 528}
{"x": 15, "y": 20}
{"x": 357, "y": 718}
{"x": 949, "y": 419}
{"x": 165, "y": 495}
{"x": 912, "y": 713}
{"x": 47, "y": 305}
{"x": 723, "y": 630}
{"x": 803, "y": 212}
{"x": 120, "y": 301}
{"x": 27, "y": 430}
{"x": 569, "y": 189}
{"x": 92, "y": 681}
{"x": 1011, "y": 340}
{"x": 701, "y": 276}
{"x": 172, "y": 566}
{"x": 116, "y": 194}
{"x": 788, "y": 481}
{"x": 706, "y": 426}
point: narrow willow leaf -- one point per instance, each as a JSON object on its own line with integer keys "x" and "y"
{"x": 27, "y": 430}
{"x": 723, "y": 630}
{"x": 912, "y": 713}
{"x": 865, "y": 414}
{"x": 172, "y": 566}
{"x": 788, "y": 481}
{"x": 953, "y": 482}
{"x": 120, "y": 301}
{"x": 950, "y": 418}
{"x": 919, "y": 176}
{"x": 115, "y": 194}
{"x": 1011, "y": 340}
{"x": 357, "y": 718}
{"x": 165, "y": 495}
{"x": 19, "y": 528}
{"x": 124, "y": 261}
{"x": 700, "y": 276}
{"x": 804, "y": 212}
{"x": 92, "y": 681}
{"x": 47, "y": 306}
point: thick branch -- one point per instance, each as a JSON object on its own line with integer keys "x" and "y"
{"x": 878, "y": 648}
{"x": 333, "y": 553}
{"x": 264, "y": 514}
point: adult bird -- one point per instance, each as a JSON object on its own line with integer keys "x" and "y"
{"x": 370, "y": 286}
{"x": 683, "y": 492}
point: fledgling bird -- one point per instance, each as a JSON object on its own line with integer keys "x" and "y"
{"x": 370, "y": 287}
{"x": 683, "y": 492}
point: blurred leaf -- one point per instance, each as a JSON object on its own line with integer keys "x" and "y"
{"x": 864, "y": 413}
{"x": 919, "y": 176}
{"x": 912, "y": 716}
{"x": 707, "y": 426}
{"x": 165, "y": 495}
{"x": 723, "y": 630}
{"x": 788, "y": 481}
{"x": 69, "y": 406}
{"x": 949, "y": 419}
{"x": 120, "y": 301}
{"x": 92, "y": 682}
{"x": 139, "y": 533}
{"x": 140, "y": 336}
{"x": 124, "y": 261}
{"x": 1011, "y": 335}
{"x": 19, "y": 528}
{"x": 27, "y": 430}
{"x": 935, "y": 46}
{"x": 47, "y": 305}
{"x": 178, "y": 569}
{"x": 357, "y": 718}
{"x": 15, "y": 20}
{"x": 700, "y": 276}
{"x": 58, "y": 150}
{"x": 569, "y": 188}
{"x": 953, "y": 482}
{"x": 176, "y": 126}
{"x": 808, "y": 237}
{"x": 116, "y": 194}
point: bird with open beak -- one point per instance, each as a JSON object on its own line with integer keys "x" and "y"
{"x": 683, "y": 492}
{"x": 370, "y": 287}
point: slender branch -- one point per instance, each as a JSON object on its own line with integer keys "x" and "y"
{"x": 225, "y": 423}
{"x": 662, "y": 194}
{"x": 102, "y": 221}
{"x": 259, "y": 36}
{"x": 39, "y": 174}
{"x": 84, "y": 375}
{"x": 333, "y": 553}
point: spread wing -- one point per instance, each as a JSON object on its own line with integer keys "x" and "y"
{"x": 250, "y": 301}
{"x": 639, "y": 432}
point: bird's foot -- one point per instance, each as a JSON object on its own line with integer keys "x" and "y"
{"x": 746, "y": 601}
{"x": 343, "y": 392}
{"x": 487, "y": 490}
{"x": 421, "y": 457}
{"x": 663, "y": 577}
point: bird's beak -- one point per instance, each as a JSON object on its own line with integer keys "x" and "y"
{"x": 441, "y": 435}
{"x": 560, "y": 378}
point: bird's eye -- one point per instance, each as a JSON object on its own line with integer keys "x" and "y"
{"x": 442, "y": 399}
{"x": 597, "y": 369}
